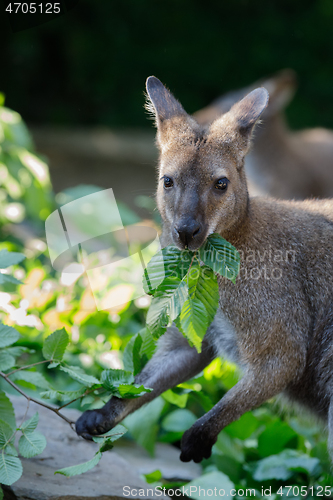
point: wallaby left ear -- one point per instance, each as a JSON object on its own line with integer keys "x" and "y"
{"x": 238, "y": 124}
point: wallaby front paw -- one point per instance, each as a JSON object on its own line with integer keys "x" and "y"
{"x": 196, "y": 445}
{"x": 93, "y": 422}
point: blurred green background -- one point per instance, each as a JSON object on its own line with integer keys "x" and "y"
{"x": 89, "y": 66}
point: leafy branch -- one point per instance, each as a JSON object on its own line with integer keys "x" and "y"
{"x": 185, "y": 288}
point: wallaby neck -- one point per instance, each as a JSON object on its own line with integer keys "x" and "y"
{"x": 238, "y": 235}
{"x": 273, "y": 131}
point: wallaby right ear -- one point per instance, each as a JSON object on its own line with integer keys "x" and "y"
{"x": 161, "y": 102}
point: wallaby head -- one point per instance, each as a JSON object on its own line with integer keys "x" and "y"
{"x": 202, "y": 186}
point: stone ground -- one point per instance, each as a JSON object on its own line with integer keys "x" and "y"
{"x": 119, "y": 467}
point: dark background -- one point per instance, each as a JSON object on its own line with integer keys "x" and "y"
{"x": 89, "y": 66}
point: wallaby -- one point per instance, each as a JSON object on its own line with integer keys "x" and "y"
{"x": 281, "y": 163}
{"x": 276, "y": 322}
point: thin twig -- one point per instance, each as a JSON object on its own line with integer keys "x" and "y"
{"x": 79, "y": 397}
{"x": 55, "y": 410}
{"x": 29, "y": 366}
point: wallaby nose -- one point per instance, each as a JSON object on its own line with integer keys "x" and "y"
{"x": 188, "y": 231}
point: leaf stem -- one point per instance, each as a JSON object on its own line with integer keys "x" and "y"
{"x": 29, "y": 366}
{"x": 52, "y": 408}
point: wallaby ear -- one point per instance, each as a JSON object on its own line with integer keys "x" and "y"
{"x": 161, "y": 102}
{"x": 237, "y": 125}
{"x": 247, "y": 111}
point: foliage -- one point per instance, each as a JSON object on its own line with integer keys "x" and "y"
{"x": 56, "y": 348}
{"x": 186, "y": 292}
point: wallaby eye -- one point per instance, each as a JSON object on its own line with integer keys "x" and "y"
{"x": 168, "y": 182}
{"x": 221, "y": 184}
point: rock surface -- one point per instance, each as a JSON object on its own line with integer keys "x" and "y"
{"x": 64, "y": 448}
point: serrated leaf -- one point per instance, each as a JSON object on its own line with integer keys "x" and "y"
{"x": 10, "y": 469}
{"x": 131, "y": 391}
{"x": 166, "y": 305}
{"x": 11, "y": 450}
{"x": 170, "y": 262}
{"x": 194, "y": 321}
{"x": 81, "y": 468}
{"x": 7, "y": 411}
{"x": 206, "y": 289}
{"x": 6, "y": 361}
{"x": 87, "y": 400}
{"x": 63, "y": 395}
{"x": 55, "y": 345}
{"x": 131, "y": 357}
{"x": 31, "y": 424}
{"x": 31, "y": 444}
{"x": 78, "y": 374}
{"x": 112, "y": 378}
{"x": 8, "y": 335}
{"x": 6, "y": 432}
{"x": 148, "y": 344}
{"x": 221, "y": 256}
{"x": 10, "y": 258}
{"x": 114, "y": 434}
{"x": 7, "y": 278}
{"x": 34, "y": 378}
{"x": 106, "y": 446}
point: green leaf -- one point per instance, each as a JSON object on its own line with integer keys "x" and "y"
{"x": 31, "y": 377}
{"x": 244, "y": 427}
{"x": 209, "y": 481}
{"x": 274, "y": 438}
{"x": 203, "y": 286}
{"x": 6, "y": 361}
{"x": 55, "y": 345}
{"x": 6, "y": 432}
{"x": 107, "y": 439}
{"x": 8, "y": 335}
{"x": 11, "y": 450}
{"x": 131, "y": 358}
{"x": 131, "y": 391}
{"x": 112, "y": 378}
{"x": 81, "y": 468}
{"x": 7, "y": 411}
{"x": 283, "y": 466}
{"x": 10, "y": 258}
{"x": 153, "y": 477}
{"x": 78, "y": 374}
{"x": 148, "y": 344}
{"x": 117, "y": 432}
{"x": 1, "y": 493}
{"x": 166, "y": 305}
{"x": 143, "y": 424}
{"x": 175, "y": 399}
{"x": 31, "y": 424}
{"x": 179, "y": 421}
{"x": 7, "y": 278}
{"x": 221, "y": 256}
{"x": 10, "y": 469}
{"x": 170, "y": 262}
{"x": 194, "y": 321}
{"x": 31, "y": 444}
{"x": 63, "y": 395}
